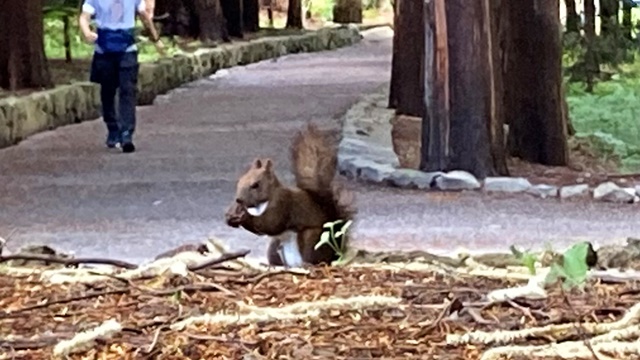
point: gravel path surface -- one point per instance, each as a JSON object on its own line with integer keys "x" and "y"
{"x": 65, "y": 189}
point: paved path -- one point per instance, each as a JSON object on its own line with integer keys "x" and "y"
{"x": 63, "y": 188}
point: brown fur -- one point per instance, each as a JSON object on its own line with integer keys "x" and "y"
{"x": 316, "y": 198}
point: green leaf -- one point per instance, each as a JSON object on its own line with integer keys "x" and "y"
{"x": 575, "y": 263}
{"x": 529, "y": 260}
{"x": 324, "y": 239}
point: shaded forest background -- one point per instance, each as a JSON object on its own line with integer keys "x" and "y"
{"x": 600, "y": 46}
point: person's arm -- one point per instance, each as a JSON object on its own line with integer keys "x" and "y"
{"x": 88, "y": 9}
{"x": 147, "y": 21}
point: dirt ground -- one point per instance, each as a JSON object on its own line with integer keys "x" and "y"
{"x": 360, "y": 311}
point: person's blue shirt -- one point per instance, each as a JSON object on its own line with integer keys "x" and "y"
{"x": 115, "y": 21}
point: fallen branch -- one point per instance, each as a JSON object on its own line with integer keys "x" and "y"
{"x": 31, "y": 344}
{"x": 9, "y": 313}
{"x": 220, "y": 260}
{"x": 555, "y": 331}
{"x": 68, "y": 262}
{"x": 83, "y": 340}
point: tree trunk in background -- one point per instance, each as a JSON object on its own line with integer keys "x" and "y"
{"x": 471, "y": 86}
{"x": 609, "y": 10}
{"x": 627, "y": 24}
{"x": 591, "y": 60}
{"x": 408, "y": 53}
{"x": 499, "y": 30}
{"x": 211, "y": 20}
{"x": 199, "y": 19}
{"x": 251, "y": 15}
{"x": 232, "y": 10}
{"x": 347, "y": 11}
{"x": 23, "y": 63}
{"x": 533, "y": 80}
{"x": 395, "y": 69}
{"x": 573, "y": 19}
{"x": 294, "y": 15}
{"x": 436, "y": 124}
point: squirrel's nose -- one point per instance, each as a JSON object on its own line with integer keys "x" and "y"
{"x": 239, "y": 201}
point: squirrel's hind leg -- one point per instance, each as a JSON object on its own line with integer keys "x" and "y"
{"x": 308, "y": 239}
{"x": 284, "y": 251}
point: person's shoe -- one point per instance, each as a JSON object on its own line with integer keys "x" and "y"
{"x": 113, "y": 139}
{"x": 127, "y": 142}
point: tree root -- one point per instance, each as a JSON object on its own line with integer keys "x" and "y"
{"x": 605, "y": 346}
{"x": 608, "y": 339}
{"x": 83, "y": 340}
{"x": 558, "y": 332}
{"x": 296, "y": 311}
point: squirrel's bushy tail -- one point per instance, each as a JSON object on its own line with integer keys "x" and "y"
{"x": 315, "y": 161}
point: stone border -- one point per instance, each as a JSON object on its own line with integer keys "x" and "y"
{"x": 366, "y": 153}
{"x": 21, "y": 117}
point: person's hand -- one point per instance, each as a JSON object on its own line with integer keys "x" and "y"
{"x": 90, "y": 37}
{"x": 159, "y": 46}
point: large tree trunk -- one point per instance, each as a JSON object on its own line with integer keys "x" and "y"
{"x": 609, "y": 10}
{"x": 470, "y": 76}
{"x": 592, "y": 65}
{"x": 23, "y": 63}
{"x": 499, "y": 29}
{"x": 533, "y": 97}
{"x": 436, "y": 124}
{"x": 395, "y": 68}
{"x": 251, "y": 15}
{"x": 627, "y": 24}
{"x": 573, "y": 19}
{"x": 200, "y": 19}
{"x": 407, "y": 87}
{"x": 232, "y": 10}
{"x": 294, "y": 15}
{"x": 347, "y": 11}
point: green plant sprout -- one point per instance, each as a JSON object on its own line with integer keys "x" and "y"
{"x": 334, "y": 235}
{"x": 573, "y": 269}
{"x": 527, "y": 258}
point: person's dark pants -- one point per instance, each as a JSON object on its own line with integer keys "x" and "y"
{"x": 117, "y": 71}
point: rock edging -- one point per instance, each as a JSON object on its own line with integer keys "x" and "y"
{"x": 21, "y": 117}
{"x": 366, "y": 153}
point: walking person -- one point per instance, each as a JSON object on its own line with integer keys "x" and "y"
{"x": 115, "y": 62}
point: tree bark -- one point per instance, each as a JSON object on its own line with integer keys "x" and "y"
{"x": 198, "y": 19}
{"x": 395, "y": 68}
{"x": 499, "y": 30}
{"x": 294, "y": 15}
{"x": 251, "y": 15}
{"x": 232, "y": 10}
{"x": 470, "y": 78}
{"x": 407, "y": 87}
{"x": 347, "y": 11}
{"x": 435, "y": 122}
{"x": 573, "y": 19}
{"x": 609, "y": 10}
{"x": 23, "y": 63}
{"x": 533, "y": 97}
{"x": 627, "y": 24}
{"x": 592, "y": 65}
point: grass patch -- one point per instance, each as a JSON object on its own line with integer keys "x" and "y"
{"x": 610, "y": 116}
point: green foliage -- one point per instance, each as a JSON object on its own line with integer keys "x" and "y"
{"x": 527, "y": 258}
{"x": 573, "y": 269}
{"x": 335, "y": 236}
{"x": 608, "y": 117}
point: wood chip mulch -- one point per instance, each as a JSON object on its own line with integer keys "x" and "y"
{"x": 34, "y": 316}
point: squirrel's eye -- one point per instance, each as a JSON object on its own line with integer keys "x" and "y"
{"x": 255, "y": 185}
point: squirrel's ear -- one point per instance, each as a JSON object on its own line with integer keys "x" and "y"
{"x": 268, "y": 164}
{"x": 257, "y": 163}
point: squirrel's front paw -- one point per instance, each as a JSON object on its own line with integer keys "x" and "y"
{"x": 235, "y": 215}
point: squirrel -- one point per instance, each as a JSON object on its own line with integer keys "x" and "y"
{"x": 293, "y": 216}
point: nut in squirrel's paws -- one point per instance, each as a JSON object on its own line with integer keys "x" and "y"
{"x": 258, "y": 209}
